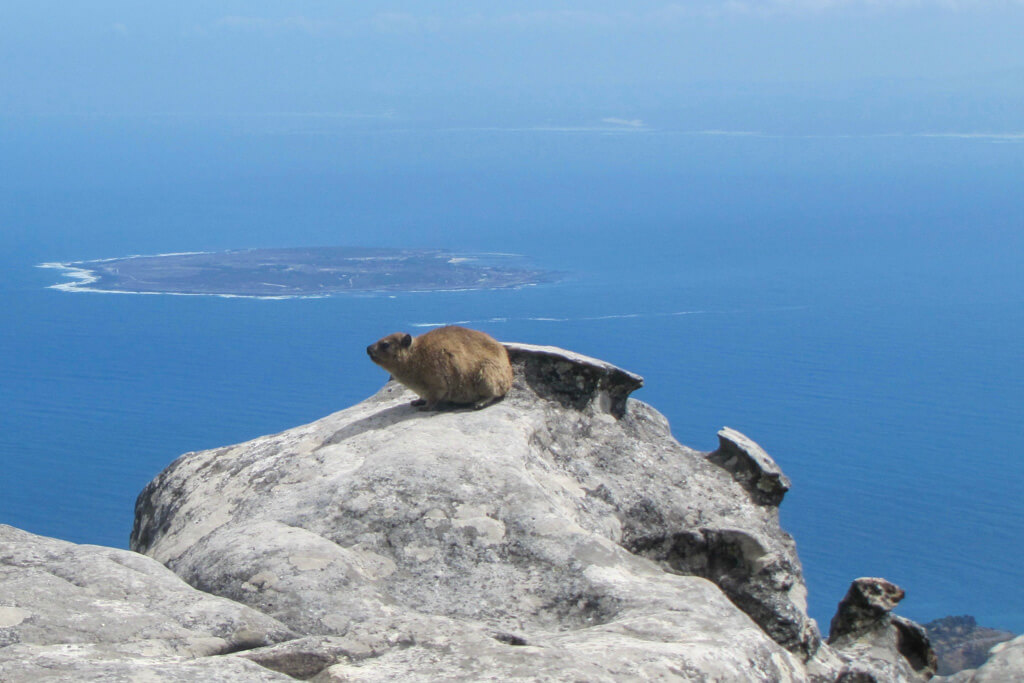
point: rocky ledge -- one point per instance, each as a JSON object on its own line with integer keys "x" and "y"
{"x": 561, "y": 534}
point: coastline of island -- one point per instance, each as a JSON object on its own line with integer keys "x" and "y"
{"x": 291, "y": 273}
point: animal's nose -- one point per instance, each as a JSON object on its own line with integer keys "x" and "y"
{"x": 369, "y": 350}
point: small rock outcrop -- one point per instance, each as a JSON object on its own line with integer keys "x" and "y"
{"x": 960, "y": 643}
{"x": 561, "y": 534}
{"x": 751, "y": 467}
{"x": 878, "y": 645}
{"x": 572, "y": 379}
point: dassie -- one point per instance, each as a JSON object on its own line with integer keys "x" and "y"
{"x": 449, "y": 364}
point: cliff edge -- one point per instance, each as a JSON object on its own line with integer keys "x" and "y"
{"x": 561, "y": 534}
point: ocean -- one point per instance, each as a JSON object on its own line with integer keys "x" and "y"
{"x": 854, "y": 303}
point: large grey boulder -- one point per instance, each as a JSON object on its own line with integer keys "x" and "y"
{"x": 562, "y": 534}
{"x": 86, "y": 612}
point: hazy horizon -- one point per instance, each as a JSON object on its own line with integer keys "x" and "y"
{"x": 774, "y": 66}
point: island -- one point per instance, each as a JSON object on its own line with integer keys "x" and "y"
{"x": 298, "y": 272}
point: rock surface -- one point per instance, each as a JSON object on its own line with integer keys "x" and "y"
{"x": 960, "y": 643}
{"x": 751, "y": 467}
{"x": 518, "y": 519}
{"x": 560, "y": 535}
{"x": 877, "y": 645}
{"x": 100, "y": 613}
{"x": 1005, "y": 664}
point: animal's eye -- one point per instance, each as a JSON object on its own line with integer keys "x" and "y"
{"x": 384, "y": 345}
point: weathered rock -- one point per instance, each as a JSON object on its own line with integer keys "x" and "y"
{"x": 960, "y": 643}
{"x": 751, "y": 467}
{"x": 95, "y": 611}
{"x": 642, "y": 644}
{"x": 35, "y": 663}
{"x": 565, "y": 517}
{"x": 877, "y": 645}
{"x": 572, "y": 378}
{"x": 749, "y": 557}
{"x": 866, "y": 605}
{"x": 1005, "y": 664}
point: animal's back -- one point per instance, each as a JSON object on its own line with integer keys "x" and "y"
{"x": 476, "y": 366}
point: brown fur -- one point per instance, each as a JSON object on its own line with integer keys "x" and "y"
{"x": 450, "y": 364}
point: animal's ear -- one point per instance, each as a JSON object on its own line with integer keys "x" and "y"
{"x": 407, "y": 341}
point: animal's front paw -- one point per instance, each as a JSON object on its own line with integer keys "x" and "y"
{"x": 417, "y": 403}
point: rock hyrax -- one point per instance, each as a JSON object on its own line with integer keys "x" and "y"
{"x": 449, "y": 364}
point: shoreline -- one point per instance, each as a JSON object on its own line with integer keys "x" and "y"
{"x": 84, "y": 276}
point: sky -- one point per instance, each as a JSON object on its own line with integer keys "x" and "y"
{"x": 929, "y": 64}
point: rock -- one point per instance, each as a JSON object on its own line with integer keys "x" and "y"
{"x": 33, "y": 664}
{"x": 866, "y": 604}
{"x": 877, "y": 645}
{"x": 561, "y": 533}
{"x": 751, "y": 467}
{"x": 97, "y": 612}
{"x": 961, "y": 644}
{"x": 572, "y": 378}
{"x": 642, "y": 646}
{"x": 1005, "y": 664}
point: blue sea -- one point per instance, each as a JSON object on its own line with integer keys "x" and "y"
{"x": 854, "y": 303}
